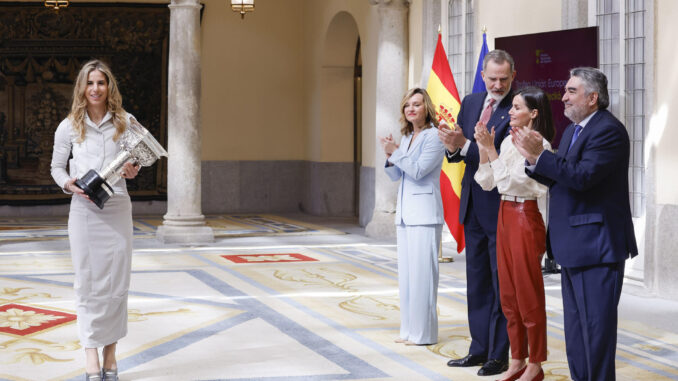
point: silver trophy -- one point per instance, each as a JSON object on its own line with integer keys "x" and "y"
{"x": 137, "y": 146}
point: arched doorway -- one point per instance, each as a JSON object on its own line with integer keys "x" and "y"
{"x": 339, "y": 130}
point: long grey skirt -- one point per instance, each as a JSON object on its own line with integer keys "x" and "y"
{"x": 101, "y": 251}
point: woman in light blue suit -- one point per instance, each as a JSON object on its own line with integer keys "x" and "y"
{"x": 419, "y": 216}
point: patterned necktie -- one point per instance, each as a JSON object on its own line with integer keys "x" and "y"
{"x": 577, "y": 131}
{"x": 487, "y": 112}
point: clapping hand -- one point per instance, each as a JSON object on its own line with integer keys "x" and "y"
{"x": 388, "y": 144}
{"x": 484, "y": 139}
{"x": 528, "y": 142}
{"x": 453, "y": 139}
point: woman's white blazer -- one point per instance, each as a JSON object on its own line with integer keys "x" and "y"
{"x": 419, "y": 201}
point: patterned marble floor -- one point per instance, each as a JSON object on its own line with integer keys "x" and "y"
{"x": 236, "y": 225}
{"x": 275, "y": 307}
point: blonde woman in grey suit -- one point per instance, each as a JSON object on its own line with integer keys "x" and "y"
{"x": 100, "y": 239}
{"x": 419, "y": 216}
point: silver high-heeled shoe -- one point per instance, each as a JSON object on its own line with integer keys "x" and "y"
{"x": 93, "y": 377}
{"x": 109, "y": 374}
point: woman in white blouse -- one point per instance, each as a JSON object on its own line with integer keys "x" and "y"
{"x": 100, "y": 239}
{"x": 419, "y": 215}
{"x": 521, "y": 235}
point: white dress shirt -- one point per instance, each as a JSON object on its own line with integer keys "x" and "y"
{"x": 507, "y": 173}
{"x": 586, "y": 120}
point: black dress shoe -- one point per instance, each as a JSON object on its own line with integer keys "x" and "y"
{"x": 492, "y": 367}
{"x": 470, "y": 360}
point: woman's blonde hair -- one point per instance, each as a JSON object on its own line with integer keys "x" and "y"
{"x": 407, "y": 127}
{"x": 113, "y": 100}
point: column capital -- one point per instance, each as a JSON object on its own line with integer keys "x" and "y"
{"x": 391, "y": 3}
{"x": 184, "y": 4}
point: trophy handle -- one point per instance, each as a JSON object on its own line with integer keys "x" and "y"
{"x": 112, "y": 171}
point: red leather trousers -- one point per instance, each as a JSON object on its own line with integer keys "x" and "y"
{"x": 521, "y": 242}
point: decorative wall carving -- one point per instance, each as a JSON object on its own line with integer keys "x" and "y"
{"x": 41, "y": 51}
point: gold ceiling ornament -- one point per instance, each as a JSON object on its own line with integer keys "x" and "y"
{"x": 56, "y": 4}
{"x": 242, "y": 6}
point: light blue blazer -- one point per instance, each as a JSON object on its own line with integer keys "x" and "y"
{"x": 419, "y": 201}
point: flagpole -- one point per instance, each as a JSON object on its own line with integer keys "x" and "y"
{"x": 442, "y": 259}
{"x": 445, "y": 97}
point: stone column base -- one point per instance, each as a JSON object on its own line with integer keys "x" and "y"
{"x": 184, "y": 234}
{"x": 382, "y": 225}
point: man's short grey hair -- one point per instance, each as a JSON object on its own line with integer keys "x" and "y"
{"x": 594, "y": 82}
{"x": 499, "y": 56}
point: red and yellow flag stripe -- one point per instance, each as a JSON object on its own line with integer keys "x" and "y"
{"x": 443, "y": 91}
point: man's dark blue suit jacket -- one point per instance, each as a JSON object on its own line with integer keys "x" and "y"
{"x": 485, "y": 204}
{"x": 589, "y": 216}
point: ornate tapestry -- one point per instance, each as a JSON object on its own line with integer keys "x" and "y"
{"x": 41, "y": 52}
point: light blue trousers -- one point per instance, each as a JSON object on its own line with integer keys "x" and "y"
{"x": 418, "y": 281}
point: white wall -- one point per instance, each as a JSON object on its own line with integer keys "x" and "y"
{"x": 662, "y": 136}
{"x": 515, "y": 17}
{"x": 323, "y": 144}
{"x": 252, "y": 82}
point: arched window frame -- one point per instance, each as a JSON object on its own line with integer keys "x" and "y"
{"x": 461, "y": 27}
{"x": 623, "y": 46}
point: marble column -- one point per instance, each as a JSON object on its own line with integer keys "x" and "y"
{"x": 575, "y": 14}
{"x": 392, "y": 66}
{"x": 431, "y": 20}
{"x": 184, "y": 222}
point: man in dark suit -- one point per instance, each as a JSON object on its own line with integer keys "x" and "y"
{"x": 478, "y": 212}
{"x": 590, "y": 231}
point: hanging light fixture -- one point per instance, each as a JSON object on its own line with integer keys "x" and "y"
{"x": 242, "y": 6}
{"x": 56, "y": 4}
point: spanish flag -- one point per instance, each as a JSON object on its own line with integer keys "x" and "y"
{"x": 445, "y": 97}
